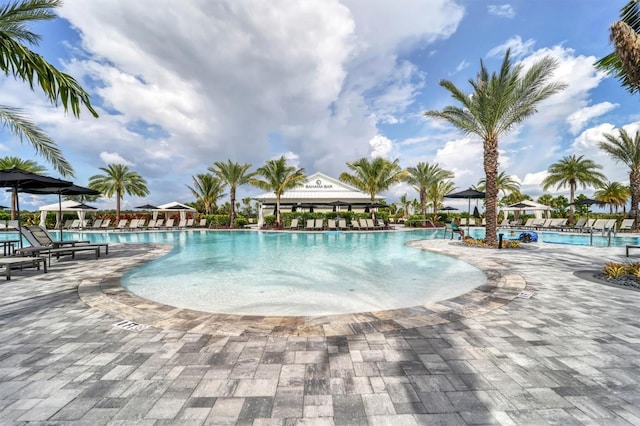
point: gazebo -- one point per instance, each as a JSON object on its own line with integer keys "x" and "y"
{"x": 65, "y": 206}
{"x": 318, "y": 190}
{"x": 529, "y": 206}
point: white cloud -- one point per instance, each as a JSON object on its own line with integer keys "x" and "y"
{"x": 580, "y": 118}
{"x": 381, "y": 146}
{"x": 504, "y": 10}
{"x": 517, "y": 46}
{"x": 114, "y": 158}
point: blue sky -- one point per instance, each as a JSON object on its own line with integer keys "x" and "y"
{"x": 179, "y": 86}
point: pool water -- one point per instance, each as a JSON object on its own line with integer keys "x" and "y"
{"x": 275, "y": 273}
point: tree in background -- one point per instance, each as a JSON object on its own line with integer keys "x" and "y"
{"x": 374, "y": 176}
{"x": 118, "y": 180}
{"x": 560, "y": 204}
{"x": 613, "y": 193}
{"x": 624, "y": 62}
{"x": 579, "y": 208}
{"x": 498, "y": 103}
{"x": 28, "y": 66}
{"x": 436, "y": 193}
{"x": 404, "y": 204}
{"x": 234, "y": 175}
{"x": 278, "y": 177}
{"x": 547, "y": 199}
{"x": 572, "y": 171}
{"x": 626, "y": 150}
{"x": 422, "y": 177}
{"x": 207, "y": 189}
{"x": 514, "y": 197}
{"x": 26, "y": 165}
{"x": 505, "y": 184}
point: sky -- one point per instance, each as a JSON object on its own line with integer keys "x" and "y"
{"x": 179, "y": 85}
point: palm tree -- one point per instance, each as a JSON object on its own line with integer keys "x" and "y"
{"x": 26, "y": 165}
{"x": 573, "y": 171}
{"x": 436, "y": 193}
{"x": 624, "y": 62}
{"x": 498, "y": 103}
{"x": 374, "y": 176}
{"x": 234, "y": 175}
{"x": 278, "y": 177}
{"x": 207, "y": 189}
{"x": 404, "y": 202}
{"x": 613, "y": 193}
{"x": 624, "y": 149}
{"x": 505, "y": 184}
{"x": 118, "y": 180}
{"x": 15, "y": 20}
{"x": 423, "y": 176}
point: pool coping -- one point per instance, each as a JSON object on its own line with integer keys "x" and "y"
{"x": 105, "y": 293}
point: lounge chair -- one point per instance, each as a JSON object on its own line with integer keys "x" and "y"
{"x": 122, "y": 224}
{"x": 503, "y": 224}
{"x": 75, "y": 224}
{"x": 355, "y": 224}
{"x": 142, "y": 224}
{"x": 105, "y": 224}
{"x": 151, "y": 224}
{"x": 342, "y": 224}
{"x": 203, "y": 223}
{"x": 159, "y": 224}
{"x": 169, "y": 224}
{"x": 96, "y": 224}
{"x": 182, "y": 224}
{"x": 68, "y": 223}
{"x": 381, "y": 224}
{"x": 294, "y": 224}
{"x": 331, "y": 225}
{"x": 599, "y": 225}
{"x": 190, "y": 223}
{"x": 42, "y": 244}
{"x": 528, "y": 224}
{"x": 311, "y": 223}
{"x": 133, "y": 224}
{"x": 319, "y": 225}
{"x": 545, "y": 225}
{"x": 578, "y": 226}
{"x": 21, "y": 262}
{"x": 626, "y": 225}
{"x": 370, "y": 224}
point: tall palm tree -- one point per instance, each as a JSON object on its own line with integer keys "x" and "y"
{"x": 505, "y": 184}
{"x": 499, "y": 102}
{"x": 374, "y": 176}
{"x": 16, "y": 18}
{"x": 404, "y": 202}
{"x": 118, "y": 180}
{"x": 26, "y": 165}
{"x": 278, "y": 177}
{"x": 436, "y": 193}
{"x": 423, "y": 176}
{"x": 626, "y": 150}
{"x": 572, "y": 171}
{"x": 624, "y": 62}
{"x": 613, "y": 193}
{"x": 234, "y": 175}
{"x": 207, "y": 189}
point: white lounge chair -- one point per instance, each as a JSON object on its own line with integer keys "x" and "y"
{"x": 626, "y": 225}
{"x": 105, "y": 223}
{"x": 342, "y": 224}
{"x": 319, "y": 225}
{"x": 311, "y": 223}
{"x": 331, "y": 224}
{"x": 294, "y": 223}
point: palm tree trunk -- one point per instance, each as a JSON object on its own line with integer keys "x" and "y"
{"x": 491, "y": 188}
{"x": 118, "y": 196}
{"x": 423, "y": 203}
{"x": 634, "y": 188}
{"x": 572, "y": 192}
{"x": 278, "y": 211}
{"x": 232, "y": 194}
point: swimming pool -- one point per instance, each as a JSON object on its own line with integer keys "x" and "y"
{"x": 283, "y": 273}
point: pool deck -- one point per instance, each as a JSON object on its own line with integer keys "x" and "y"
{"x": 569, "y": 354}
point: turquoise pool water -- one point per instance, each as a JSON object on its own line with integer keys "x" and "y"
{"x": 271, "y": 273}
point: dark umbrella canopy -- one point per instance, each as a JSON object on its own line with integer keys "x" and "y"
{"x": 588, "y": 202}
{"x": 147, "y": 207}
{"x": 448, "y": 208}
{"x": 468, "y": 194}
{"x": 21, "y": 181}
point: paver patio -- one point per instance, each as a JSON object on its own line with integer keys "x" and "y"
{"x": 570, "y": 354}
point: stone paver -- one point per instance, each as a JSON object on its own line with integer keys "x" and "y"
{"x": 570, "y": 354}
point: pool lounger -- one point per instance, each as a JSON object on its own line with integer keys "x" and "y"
{"x": 9, "y": 262}
{"x": 629, "y": 246}
{"x": 61, "y": 251}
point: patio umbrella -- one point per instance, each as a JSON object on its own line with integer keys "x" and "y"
{"x": 20, "y": 180}
{"x": 588, "y": 202}
{"x": 468, "y": 194}
{"x": 147, "y": 207}
{"x": 337, "y": 204}
{"x": 67, "y": 190}
{"x": 448, "y": 208}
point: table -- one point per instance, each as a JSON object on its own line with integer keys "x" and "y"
{"x": 8, "y": 246}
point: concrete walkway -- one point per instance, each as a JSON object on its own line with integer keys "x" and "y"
{"x": 570, "y": 354}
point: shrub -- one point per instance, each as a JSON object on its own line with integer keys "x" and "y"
{"x": 614, "y": 270}
{"x": 240, "y": 222}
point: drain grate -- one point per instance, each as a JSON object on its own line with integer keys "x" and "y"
{"x": 525, "y": 294}
{"x": 130, "y": 325}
